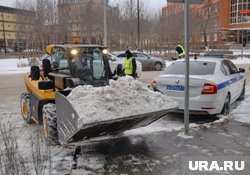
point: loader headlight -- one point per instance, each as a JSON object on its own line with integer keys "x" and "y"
{"x": 105, "y": 51}
{"x": 74, "y": 52}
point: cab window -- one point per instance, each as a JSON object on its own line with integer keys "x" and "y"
{"x": 59, "y": 59}
{"x": 88, "y": 64}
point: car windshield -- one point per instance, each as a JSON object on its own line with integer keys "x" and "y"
{"x": 195, "y": 68}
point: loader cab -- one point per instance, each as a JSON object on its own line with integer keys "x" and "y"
{"x": 74, "y": 65}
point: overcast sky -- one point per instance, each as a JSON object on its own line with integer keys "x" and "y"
{"x": 157, "y": 4}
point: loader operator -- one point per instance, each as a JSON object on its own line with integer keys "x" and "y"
{"x": 130, "y": 65}
{"x": 83, "y": 68}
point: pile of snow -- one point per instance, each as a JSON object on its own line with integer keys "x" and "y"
{"x": 122, "y": 98}
{"x": 14, "y": 66}
{"x": 241, "y": 113}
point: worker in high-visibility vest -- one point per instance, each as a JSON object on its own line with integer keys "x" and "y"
{"x": 181, "y": 51}
{"x": 130, "y": 64}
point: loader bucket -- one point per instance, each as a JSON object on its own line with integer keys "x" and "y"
{"x": 67, "y": 122}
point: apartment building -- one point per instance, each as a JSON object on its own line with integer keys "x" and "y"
{"x": 217, "y": 22}
{"x": 82, "y": 19}
{"x": 15, "y": 25}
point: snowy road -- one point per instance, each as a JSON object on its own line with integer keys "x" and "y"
{"x": 152, "y": 149}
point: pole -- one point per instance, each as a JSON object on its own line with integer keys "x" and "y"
{"x": 138, "y": 23}
{"x": 242, "y": 37}
{"x": 104, "y": 23}
{"x": 186, "y": 28}
{"x": 4, "y": 39}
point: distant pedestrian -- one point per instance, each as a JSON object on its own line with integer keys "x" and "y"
{"x": 130, "y": 64}
{"x": 181, "y": 52}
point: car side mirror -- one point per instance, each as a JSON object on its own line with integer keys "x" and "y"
{"x": 241, "y": 70}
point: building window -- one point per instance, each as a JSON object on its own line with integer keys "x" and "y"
{"x": 215, "y": 37}
{"x": 216, "y": 7}
{"x": 236, "y": 7}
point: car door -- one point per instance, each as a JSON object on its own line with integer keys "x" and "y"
{"x": 237, "y": 80}
{"x": 232, "y": 78}
{"x": 144, "y": 59}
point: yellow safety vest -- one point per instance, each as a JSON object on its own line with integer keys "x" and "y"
{"x": 183, "y": 51}
{"x": 128, "y": 66}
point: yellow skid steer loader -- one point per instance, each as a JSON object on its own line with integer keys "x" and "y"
{"x": 45, "y": 101}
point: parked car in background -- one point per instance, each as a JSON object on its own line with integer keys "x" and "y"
{"x": 8, "y": 50}
{"x": 214, "y": 84}
{"x": 114, "y": 61}
{"x": 148, "y": 62}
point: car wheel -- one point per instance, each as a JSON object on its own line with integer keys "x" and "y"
{"x": 25, "y": 107}
{"x": 50, "y": 124}
{"x": 158, "y": 66}
{"x": 242, "y": 95}
{"x": 226, "y": 107}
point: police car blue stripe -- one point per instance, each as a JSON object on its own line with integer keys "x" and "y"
{"x": 227, "y": 83}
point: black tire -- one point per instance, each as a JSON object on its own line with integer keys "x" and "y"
{"x": 158, "y": 66}
{"x": 25, "y": 108}
{"x": 50, "y": 124}
{"x": 243, "y": 92}
{"x": 226, "y": 107}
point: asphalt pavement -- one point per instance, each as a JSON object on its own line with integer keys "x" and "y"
{"x": 161, "y": 153}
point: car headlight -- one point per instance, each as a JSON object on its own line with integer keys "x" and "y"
{"x": 74, "y": 52}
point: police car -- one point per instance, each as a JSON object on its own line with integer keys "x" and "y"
{"x": 215, "y": 83}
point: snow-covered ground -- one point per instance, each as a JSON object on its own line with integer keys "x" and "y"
{"x": 241, "y": 113}
{"x": 13, "y": 66}
{"x": 239, "y": 51}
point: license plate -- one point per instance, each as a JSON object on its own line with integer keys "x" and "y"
{"x": 175, "y": 88}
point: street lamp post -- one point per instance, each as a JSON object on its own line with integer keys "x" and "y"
{"x": 186, "y": 28}
{"x": 138, "y": 23}
{"x": 242, "y": 37}
{"x": 4, "y": 39}
{"x": 104, "y": 23}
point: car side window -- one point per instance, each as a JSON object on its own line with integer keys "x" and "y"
{"x": 59, "y": 59}
{"x": 233, "y": 68}
{"x": 121, "y": 55}
{"x": 225, "y": 67}
{"x": 142, "y": 55}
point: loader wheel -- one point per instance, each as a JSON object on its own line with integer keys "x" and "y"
{"x": 50, "y": 124}
{"x": 25, "y": 107}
